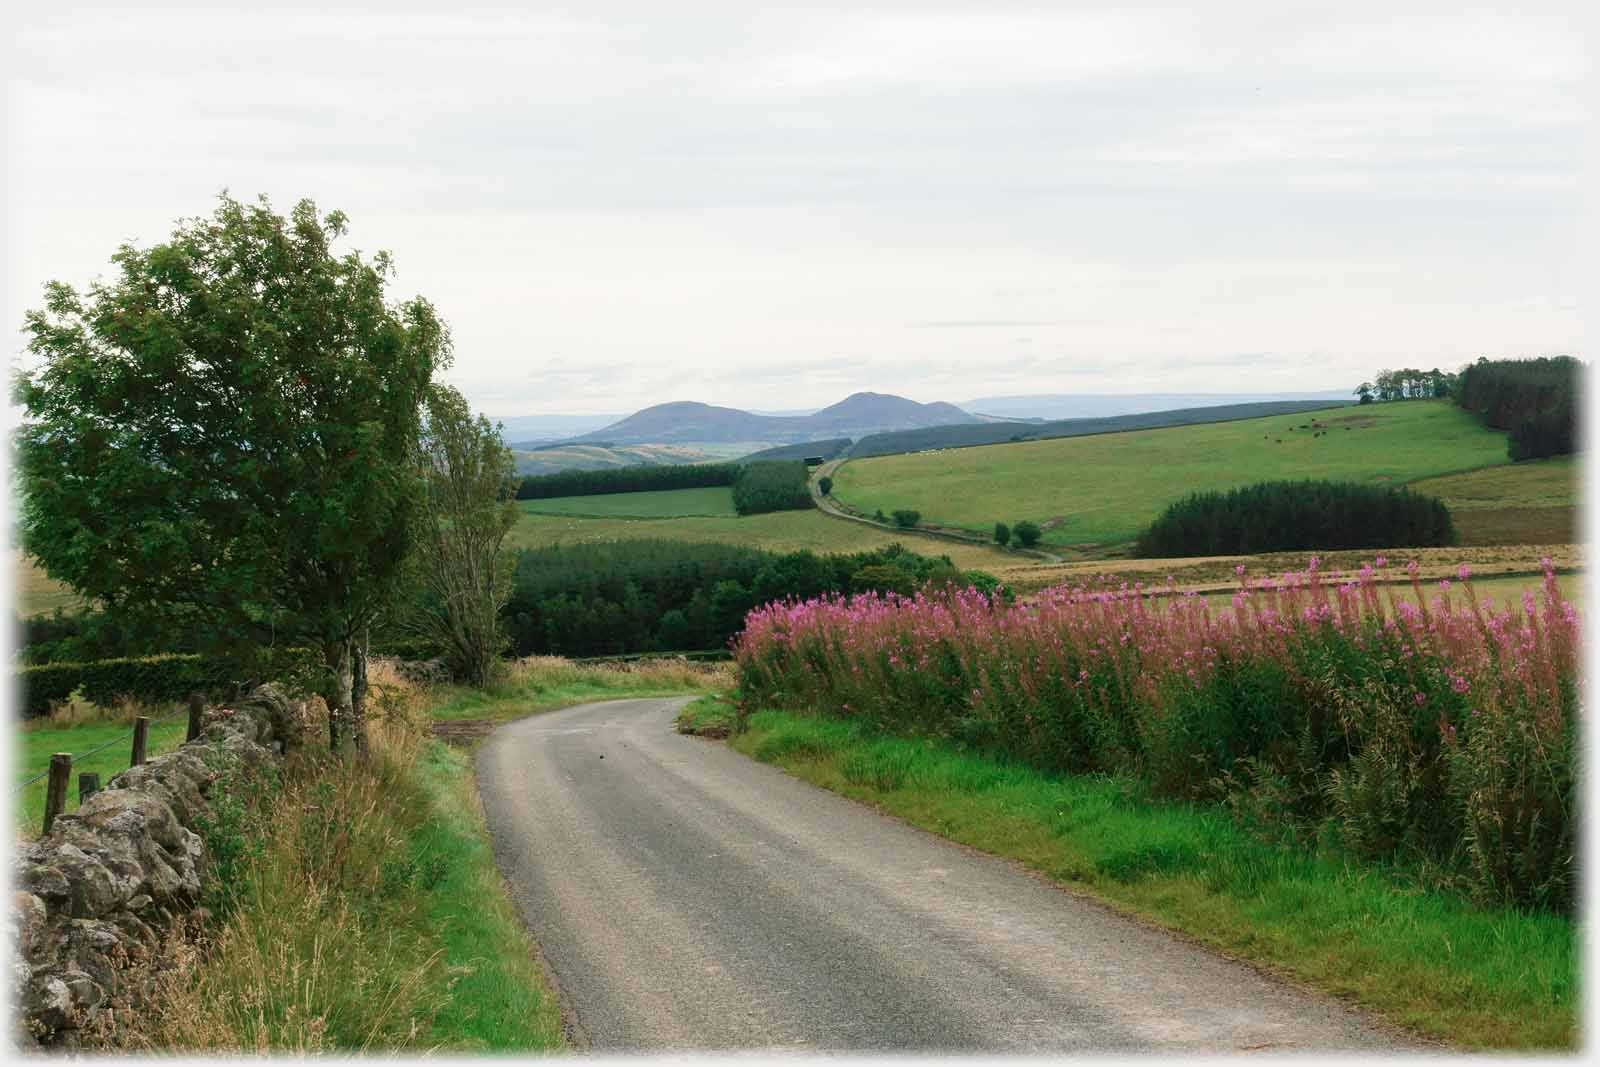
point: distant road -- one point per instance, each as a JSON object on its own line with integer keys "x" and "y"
{"x": 687, "y": 897}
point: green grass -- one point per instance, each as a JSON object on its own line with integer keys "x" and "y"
{"x": 1425, "y": 960}
{"x": 1539, "y": 483}
{"x": 543, "y": 683}
{"x": 665, "y": 504}
{"x": 497, "y": 999}
{"x": 39, "y": 740}
{"x": 1105, "y": 489}
{"x": 712, "y": 715}
{"x": 778, "y": 531}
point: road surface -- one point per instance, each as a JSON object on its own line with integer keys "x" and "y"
{"x": 687, "y": 897}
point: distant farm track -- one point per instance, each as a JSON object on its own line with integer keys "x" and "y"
{"x": 686, "y": 897}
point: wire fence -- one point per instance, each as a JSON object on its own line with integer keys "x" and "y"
{"x": 78, "y": 757}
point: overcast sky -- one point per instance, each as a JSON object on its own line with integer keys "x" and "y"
{"x": 614, "y": 206}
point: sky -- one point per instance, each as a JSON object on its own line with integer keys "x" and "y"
{"x": 614, "y": 206}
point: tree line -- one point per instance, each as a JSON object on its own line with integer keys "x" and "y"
{"x": 1288, "y": 516}
{"x": 1406, "y": 384}
{"x": 613, "y": 598}
{"x": 627, "y": 480}
{"x": 1536, "y": 400}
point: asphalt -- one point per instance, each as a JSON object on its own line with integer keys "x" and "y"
{"x": 685, "y": 897}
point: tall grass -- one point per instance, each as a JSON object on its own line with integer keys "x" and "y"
{"x": 1433, "y": 730}
{"x": 363, "y": 913}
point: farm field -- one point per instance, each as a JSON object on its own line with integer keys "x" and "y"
{"x": 1516, "y": 503}
{"x": 777, "y": 531}
{"x": 37, "y": 741}
{"x": 671, "y": 503}
{"x": 1103, "y": 490}
{"x": 36, "y": 592}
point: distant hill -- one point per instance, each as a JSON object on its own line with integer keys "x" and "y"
{"x": 854, "y": 416}
{"x": 804, "y": 450}
{"x": 552, "y": 459}
{"x": 1047, "y": 406}
{"x": 888, "y": 444}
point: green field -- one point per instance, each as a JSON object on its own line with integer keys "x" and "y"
{"x": 37, "y": 743}
{"x": 1103, "y": 490}
{"x": 777, "y": 531}
{"x": 665, "y": 504}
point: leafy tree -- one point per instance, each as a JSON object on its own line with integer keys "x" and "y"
{"x": 221, "y": 439}
{"x": 825, "y": 484}
{"x": 1027, "y": 533}
{"x": 1364, "y": 391}
{"x": 882, "y": 578}
{"x": 1002, "y": 534}
{"x": 905, "y": 518}
{"x": 468, "y": 509}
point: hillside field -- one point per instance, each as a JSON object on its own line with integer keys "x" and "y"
{"x": 1103, "y": 490}
{"x": 1532, "y": 502}
{"x": 670, "y": 503}
{"x": 778, "y": 531}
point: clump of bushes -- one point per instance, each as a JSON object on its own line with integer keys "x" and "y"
{"x": 1425, "y": 730}
{"x": 1002, "y": 534}
{"x": 1027, "y": 533}
{"x": 906, "y": 518}
{"x": 1297, "y": 516}
{"x": 172, "y": 676}
{"x": 775, "y": 486}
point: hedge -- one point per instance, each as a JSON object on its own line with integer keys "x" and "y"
{"x": 170, "y": 677}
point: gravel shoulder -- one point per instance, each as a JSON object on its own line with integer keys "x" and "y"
{"x": 685, "y": 897}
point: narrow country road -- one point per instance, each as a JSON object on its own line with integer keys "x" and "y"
{"x": 687, "y": 897}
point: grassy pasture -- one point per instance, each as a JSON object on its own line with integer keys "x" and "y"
{"x": 37, "y": 740}
{"x": 665, "y": 504}
{"x": 1102, "y": 490}
{"x": 778, "y": 531}
{"x": 1517, "y": 503}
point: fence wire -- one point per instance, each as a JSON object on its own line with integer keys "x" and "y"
{"x": 76, "y": 756}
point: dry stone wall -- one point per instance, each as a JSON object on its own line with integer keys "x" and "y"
{"x": 96, "y": 897}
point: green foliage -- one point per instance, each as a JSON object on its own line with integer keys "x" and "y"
{"x": 220, "y": 438}
{"x": 882, "y": 578}
{"x": 1027, "y": 533}
{"x": 462, "y": 569}
{"x": 230, "y": 827}
{"x": 1002, "y": 534}
{"x": 628, "y": 480}
{"x": 1288, "y": 516}
{"x": 825, "y": 484}
{"x": 1538, "y": 400}
{"x": 775, "y": 486}
{"x": 906, "y": 518}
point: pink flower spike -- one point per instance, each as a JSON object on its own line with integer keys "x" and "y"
{"x": 1381, "y": 561}
{"x": 1462, "y": 572}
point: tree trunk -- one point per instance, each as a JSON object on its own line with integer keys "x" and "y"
{"x": 337, "y": 695}
{"x": 358, "y": 696}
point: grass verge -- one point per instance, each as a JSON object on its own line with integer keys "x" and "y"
{"x": 362, "y": 911}
{"x": 1471, "y": 977}
{"x": 712, "y": 715}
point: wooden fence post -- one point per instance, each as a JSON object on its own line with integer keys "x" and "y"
{"x": 195, "y": 707}
{"x": 141, "y": 732}
{"x": 88, "y": 786}
{"x": 55, "y": 797}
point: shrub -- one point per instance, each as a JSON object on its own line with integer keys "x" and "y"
{"x": 150, "y": 678}
{"x": 1431, "y": 730}
{"x": 905, "y": 518}
{"x": 1002, "y": 534}
{"x": 825, "y": 484}
{"x": 1291, "y": 516}
{"x": 1027, "y": 533}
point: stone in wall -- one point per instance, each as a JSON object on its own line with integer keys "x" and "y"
{"x": 98, "y": 893}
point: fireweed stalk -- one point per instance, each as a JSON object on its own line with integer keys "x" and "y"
{"x": 1431, "y": 728}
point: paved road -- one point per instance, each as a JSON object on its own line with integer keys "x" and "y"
{"x": 687, "y": 897}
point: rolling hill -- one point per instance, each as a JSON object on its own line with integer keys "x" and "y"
{"x": 685, "y": 422}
